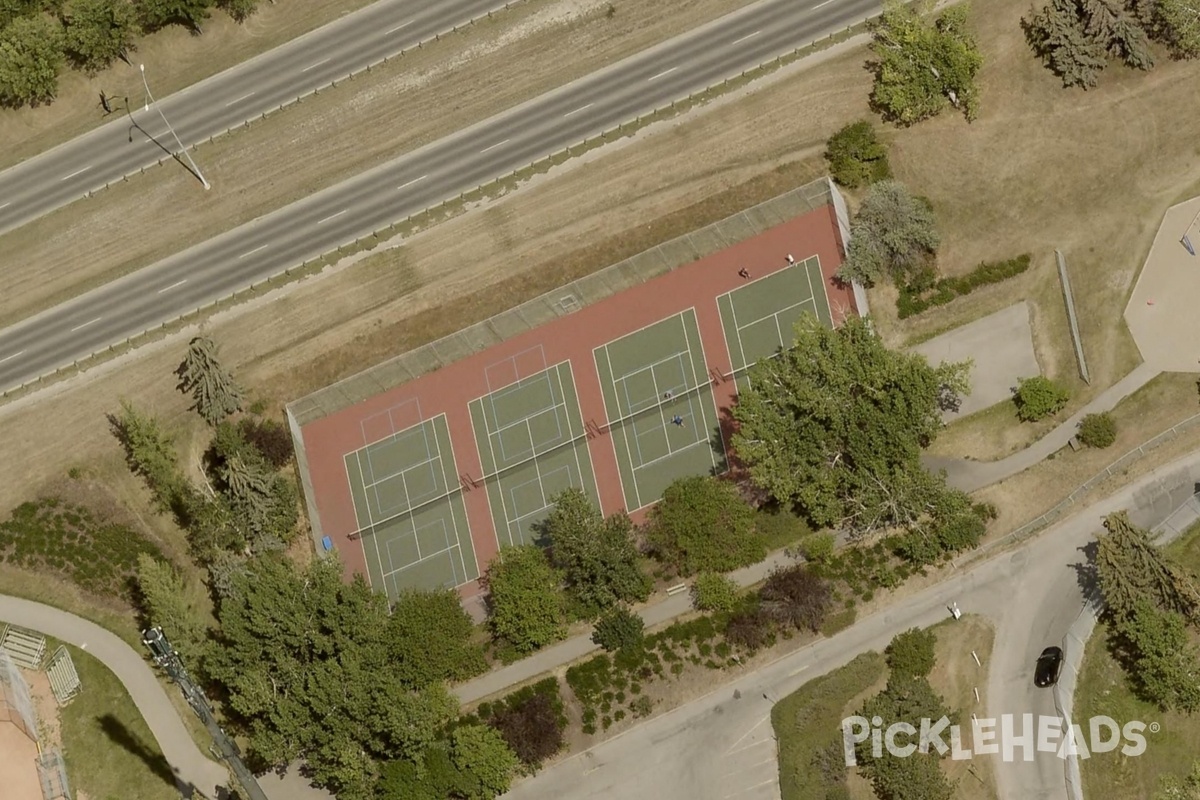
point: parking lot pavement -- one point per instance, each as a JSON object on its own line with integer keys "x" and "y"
{"x": 749, "y": 767}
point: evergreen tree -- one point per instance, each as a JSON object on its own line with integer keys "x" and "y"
{"x": 165, "y": 604}
{"x": 215, "y": 393}
{"x": 150, "y": 453}
{"x": 1131, "y": 568}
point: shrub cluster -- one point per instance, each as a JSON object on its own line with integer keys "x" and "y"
{"x": 531, "y": 720}
{"x": 1098, "y": 430}
{"x": 925, "y": 290}
{"x": 1039, "y": 397}
{"x": 55, "y": 536}
{"x": 856, "y": 156}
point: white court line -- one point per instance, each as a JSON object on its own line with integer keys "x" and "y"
{"x": 750, "y": 36}
{"x": 84, "y": 325}
{"x": 576, "y": 111}
{"x": 10, "y": 358}
{"x": 174, "y": 285}
{"x": 314, "y": 66}
{"x": 252, "y": 252}
{"x": 659, "y": 75}
{"x": 410, "y": 183}
{"x": 494, "y": 146}
{"x": 398, "y": 27}
{"x": 332, "y": 216}
{"x": 240, "y": 99}
{"x": 821, "y": 5}
{"x": 76, "y": 172}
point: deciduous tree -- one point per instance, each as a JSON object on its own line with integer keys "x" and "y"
{"x": 164, "y": 603}
{"x": 920, "y": 66}
{"x": 856, "y": 156}
{"x": 702, "y": 524}
{"x": 484, "y": 760}
{"x": 1177, "y": 24}
{"x": 156, "y": 14}
{"x": 911, "y": 653}
{"x": 214, "y": 392}
{"x": 908, "y": 699}
{"x": 836, "y": 424}
{"x": 533, "y": 729}
{"x": 894, "y": 235}
{"x": 1165, "y": 665}
{"x": 306, "y": 667}
{"x": 240, "y": 10}
{"x": 99, "y": 31}
{"x": 796, "y": 597}
{"x": 429, "y": 637}
{"x": 31, "y": 56}
{"x": 598, "y": 556}
{"x": 525, "y": 601}
{"x": 619, "y": 629}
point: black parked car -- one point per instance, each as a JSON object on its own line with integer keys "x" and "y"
{"x": 1049, "y": 665}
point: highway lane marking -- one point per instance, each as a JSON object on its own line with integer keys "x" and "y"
{"x": 252, "y": 252}
{"x": 821, "y": 5}
{"x": 314, "y": 66}
{"x": 659, "y": 75}
{"x": 332, "y": 216}
{"x": 494, "y": 146}
{"x": 749, "y": 36}
{"x": 10, "y": 358}
{"x": 240, "y": 99}
{"x": 410, "y": 183}
{"x": 398, "y": 27}
{"x": 77, "y": 172}
{"x": 84, "y": 325}
{"x": 174, "y": 285}
{"x": 6, "y": 205}
{"x": 576, "y": 111}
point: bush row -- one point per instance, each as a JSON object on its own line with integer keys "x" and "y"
{"x": 925, "y": 291}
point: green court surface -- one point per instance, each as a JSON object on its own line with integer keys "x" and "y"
{"x": 759, "y": 317}
{"x": 411, "y": 518}
{"x": 660, "y": 406}
{"x": 532, "y": 445}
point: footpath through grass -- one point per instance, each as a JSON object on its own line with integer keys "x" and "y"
{"x": 1104, "y": 688}
{"x": 108, "y": 747}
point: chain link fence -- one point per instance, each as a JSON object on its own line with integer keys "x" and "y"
{"x": 534, "y": 313}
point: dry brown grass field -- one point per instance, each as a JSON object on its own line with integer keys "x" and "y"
{"x": 177, "y": 59}
{"x": 1090, "y": 173}
{"x": 410, "y": 101}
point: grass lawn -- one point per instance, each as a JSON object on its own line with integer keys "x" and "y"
{"x": 955, "y": 677}
{"x": 110, "y": 752}
{"x": 1104, "y": 689}
{"x": 807, "y": 721}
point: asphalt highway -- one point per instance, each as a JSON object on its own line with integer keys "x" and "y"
{"x": 140, "y": 138}
{"x": 423, "y": 178}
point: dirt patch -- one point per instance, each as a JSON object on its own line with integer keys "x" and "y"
{"x": 425, "y": 95}
{"x": 177, "y": 58}
{"x": 18, "y": 769}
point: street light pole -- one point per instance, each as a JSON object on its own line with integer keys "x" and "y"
{"x": 182, "y": 149}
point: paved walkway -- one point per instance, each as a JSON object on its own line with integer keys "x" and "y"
{"x": 197, "y": 775}
{"x": 963, "y": 474}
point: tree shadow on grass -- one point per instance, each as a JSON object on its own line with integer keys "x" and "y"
{"x": 116, "y": 731}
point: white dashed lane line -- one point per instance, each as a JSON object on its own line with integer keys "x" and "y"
{"x": 76, "y": 173}
{"x": 174, "y": 285}
{"x": 252, "y": 252}
{"x": 661, "y": 74}
{"x": 314, "y": 66}
{"x": 494, "y": 146}
{"x": 410, "y": 183}
{"x": 84, "y": 325}
{"x": 747, "y": 37}
{"x": 576, "y": 111}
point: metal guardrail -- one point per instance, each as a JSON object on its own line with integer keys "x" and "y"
{"x": 370, "y": 240}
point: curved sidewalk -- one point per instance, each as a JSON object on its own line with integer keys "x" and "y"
{"x": 195, "y": 773}
{"x": 960, "y": 473}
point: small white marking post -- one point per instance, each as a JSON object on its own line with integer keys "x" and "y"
{"x": 976, "y": 690}
{"x": 977, "y": 661}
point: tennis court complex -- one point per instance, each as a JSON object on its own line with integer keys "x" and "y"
{"x": 532, "y": 442}
{"x": 759, "y": 317}
{"x": 660, "y": 407}
{"x": 411, "y": 520}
